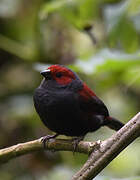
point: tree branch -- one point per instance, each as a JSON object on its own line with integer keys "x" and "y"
{"x": 36, "y": 145}
{"x": 101, "y": 153}
{"x": 88, "y": 29}
{"x": 109, "y": 149}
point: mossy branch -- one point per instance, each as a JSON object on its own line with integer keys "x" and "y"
{"x": 36, "y": 145}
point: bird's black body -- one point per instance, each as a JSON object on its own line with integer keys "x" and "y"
{"x": 67, "y": 109}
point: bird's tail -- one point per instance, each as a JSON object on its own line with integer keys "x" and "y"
{"x": 113, "y": 123}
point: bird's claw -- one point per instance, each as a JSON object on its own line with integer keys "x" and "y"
{"x": 47, "y": 138}
{"x": 75, "y": 142}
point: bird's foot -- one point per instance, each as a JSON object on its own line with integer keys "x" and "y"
{"x": 47, "y": 138}
{"x": 75, "y": 142}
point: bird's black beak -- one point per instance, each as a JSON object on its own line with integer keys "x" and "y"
{"x": 46, "y": 73}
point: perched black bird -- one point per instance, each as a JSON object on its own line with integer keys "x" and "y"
{"x": 68, "y": 106}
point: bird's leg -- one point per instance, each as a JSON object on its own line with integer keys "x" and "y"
{"x": 47, "y": 138}
{"x": 75, "y": 142}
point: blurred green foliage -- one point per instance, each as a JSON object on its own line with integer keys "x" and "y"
{"x": 37, "y": 33}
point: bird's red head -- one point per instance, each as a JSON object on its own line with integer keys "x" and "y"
{"x": 60, "y": 74}
{"x": 64, "y": 76}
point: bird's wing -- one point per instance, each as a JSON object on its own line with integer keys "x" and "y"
{"x": 90, "y": 103}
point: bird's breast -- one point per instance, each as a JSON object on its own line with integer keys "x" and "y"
{"x": 57, "y": 109}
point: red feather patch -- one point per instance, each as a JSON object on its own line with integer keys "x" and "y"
{"x": 64, "y": 80}
{"x": 67, "y": 75}
{"x": 86, "y": 92}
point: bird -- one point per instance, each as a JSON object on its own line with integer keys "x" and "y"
{"x": 67, "y": 106}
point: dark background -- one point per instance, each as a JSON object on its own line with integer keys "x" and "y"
{"x": 37, "y": 33}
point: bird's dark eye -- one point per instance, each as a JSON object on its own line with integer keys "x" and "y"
{"x": 59, "y": 74}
